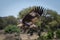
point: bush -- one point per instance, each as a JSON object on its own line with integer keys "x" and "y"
{"x": 50, "y": 35}
{"x": 58, "y": 33}
{"x": 11, "y": 29}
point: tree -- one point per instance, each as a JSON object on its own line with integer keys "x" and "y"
{"x": 11, "y": 20}
{"x": 49, "y": 21}
{"x": 4, "y": 21}
{"x": 58, "y": 33}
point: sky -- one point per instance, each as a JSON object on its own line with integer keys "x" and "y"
{"x": 13, "y": 7}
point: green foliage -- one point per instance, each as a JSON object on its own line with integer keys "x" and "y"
{"x": 58, "y": 33}
{"x": 50, "y": 21}
{"x": 3, "y": 22}
{"x": 9, "y": 20}
{"x": 53, "y": 23}
{"x": 38, "y": 23}
{"x": 52, "y": 13}
{"x": 50, "y": 35}
{"x": 24, "y": 12}
{"x": 12, "y": 29}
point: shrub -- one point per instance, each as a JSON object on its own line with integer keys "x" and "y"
{"x": 11, "y": 29}
{"x": 58, "y": 33}
{"x": 50, "y": 35}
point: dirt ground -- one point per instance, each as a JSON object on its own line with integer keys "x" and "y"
{"x": 28, "y": 37}
{"x": 2, "y": 36}
{"x": 23, "y": 36}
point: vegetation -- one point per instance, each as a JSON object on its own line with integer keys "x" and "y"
{"x": 12, "y": 29}
{"x": 9, "y": 20}
{"x": 51, "y": 18}
{"x": 58, "y": 33}
{"x": 49, "y": 22}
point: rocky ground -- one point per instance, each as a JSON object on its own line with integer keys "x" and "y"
{"x": 28, "y": 37}
{"x": 23, "y": 36}
{"x": 16, "y": 37}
